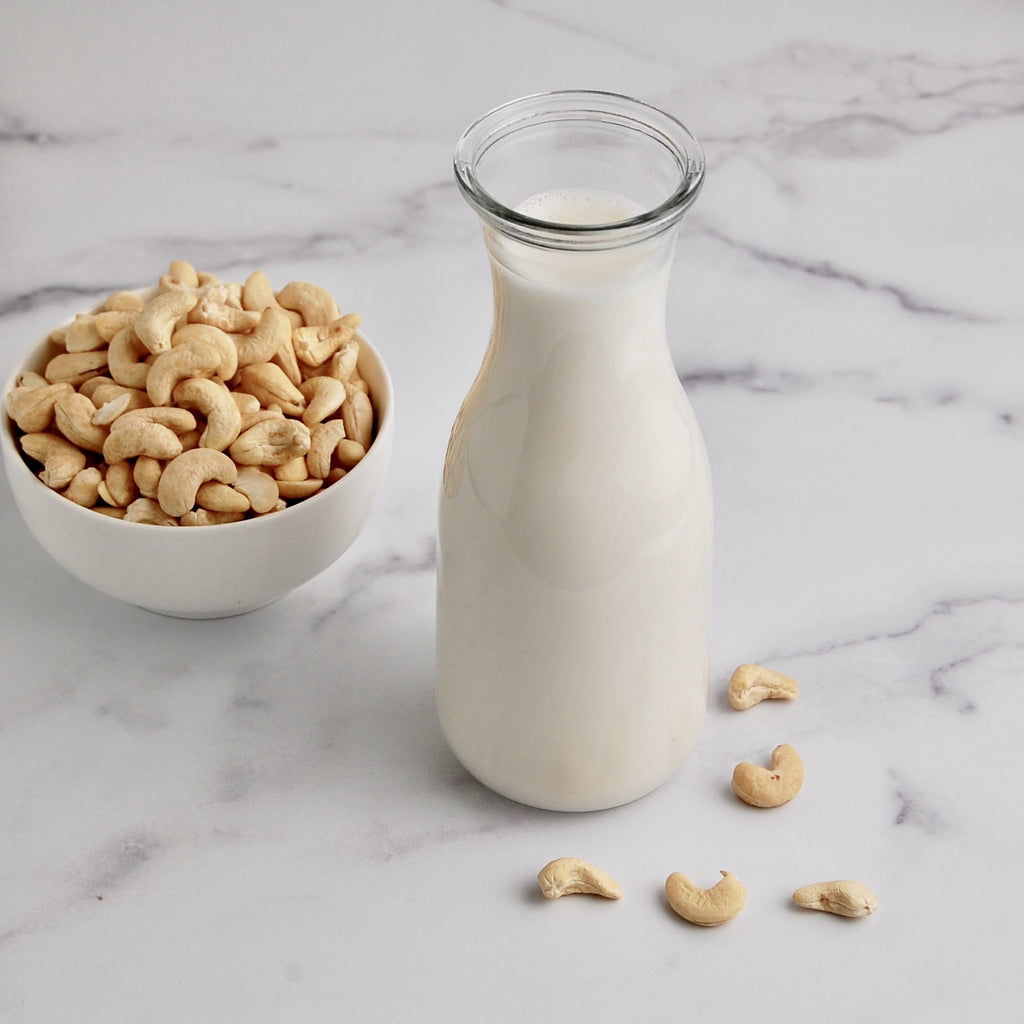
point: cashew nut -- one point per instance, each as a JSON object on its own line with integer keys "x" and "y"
{"x": 272, "y": 332}
{"x": 217, "y": 313}
{"x": 146, "y": 474}
{"x": 125, "y": 359}
{"x": 214, "y": 401}
{"x": 209, "y": 517}
{"x": 297, "y": 489}
{"x": 111, "y": 322}
{"x": 60, "y": 459}
{"x": 271, "y": 443}
{"x": 84, "y": 488}
{"x": 843, "y": 897}
{"x": 142, "y": 437}
{"x": 323, "y": 444}
{"x": 193, "y": 358}
{"x": 770, "y": 787}
{"x": 315, "y": 345}
{"x": 357, "y": 412}
{"x": 157, "y": 318}
{"x": 258, "y": 295}
{"x": 124, "y": 301}
{"x": 259, "y": 488}
{"x": 118, "y": 487}
{"x": 182, "y": 476}
{"x": 324, "y": 396}
{"x": 751, "y": 684}
{"x": 214, "y": 337}
{"x": 316, "y": 304}
{"x": 568, "y": 875}
{"x": 75, "y": 367}
{"x": 706, "y": 907}
{"x": 179, "y": 420}
{"x": 82, "y": 334}
{"x": 183, "y": 271}
{"x": 349, "y": 453}
{"x": 31, "y": 406}
{"x": 73, "y": 417}
{"x": 270, "y": 384}
{"x": 217, "y": 497}
{"x": 146, "y": 510}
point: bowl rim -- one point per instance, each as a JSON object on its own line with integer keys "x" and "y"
{"x": 36, "y": 356}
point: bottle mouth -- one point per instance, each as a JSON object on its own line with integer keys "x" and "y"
{"x": 579, "y": 141}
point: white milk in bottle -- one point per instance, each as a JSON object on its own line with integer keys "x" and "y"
{"x": 574, "y": 543}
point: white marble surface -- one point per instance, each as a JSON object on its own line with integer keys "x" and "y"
{"x": 257, "y": 819}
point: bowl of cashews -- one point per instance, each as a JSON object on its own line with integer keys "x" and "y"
{"x": 200, "y": 448}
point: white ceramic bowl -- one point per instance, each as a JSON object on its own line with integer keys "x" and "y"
{"x": 205, "y": 571}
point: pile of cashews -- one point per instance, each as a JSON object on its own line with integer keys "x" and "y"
{"x": 208, "y": 403}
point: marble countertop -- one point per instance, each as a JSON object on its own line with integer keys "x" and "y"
{"x": 257, "y": 819}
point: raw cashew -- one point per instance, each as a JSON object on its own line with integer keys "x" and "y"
{"x": 315, "y": 345}
{"x": 84, "y": 488}
{"x": 146, "y": 510}
{"x": 271, "y": 443}
{"x": 751, "y": 684}
{"x": 259, "y": 488}
{"x": 193, "y": 358}
{"x": 294, "y": 489}
{"x": 208, "y": 517}
{"x": 122, "y": 301}
{"x": 706, "y": 907}
{"x": 73, "y": 417}
{"x": 217, "y": 497}
{"x": 125, "y": 356}
{"x": 770, "y": 787}
{"x": 179, "y": 420}
{"x": 111, "y": 322}
{"x": 324, "y": 396}
{"x": 214, "y": 337}
{"x": 82, "y": 334}
{"x": 75, "y": 367}
{"x": 349, "y": 453}
{"x": 118, "y": 487}
{"x": 157, "y": 318}
{"x": 182, "y": 476}
{"x": 357, "y": 412}
{"x": 272, "y": 332}
{"x": 258, "y": 295}
{"x": 568, "y": 875}
{"x": 31, "y": 407}
{"x": 214, "y": 401}
{"x": 140, "y": 438}
{"x": 316, "y": 304}
{"x": 219, "y": 314}
{"x": 146, "y": 473}
{"x": 843, "y": 897}
{"x": 60, "y": 459}
{"x": 270, "y": 384}
{"x": 323, "y": 445}
{"x": 184, "y": 272}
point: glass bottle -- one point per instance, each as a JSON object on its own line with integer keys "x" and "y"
{"x": 575, "y": 518}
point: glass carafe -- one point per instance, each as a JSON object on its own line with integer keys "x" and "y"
{"x": 575, "y": 519}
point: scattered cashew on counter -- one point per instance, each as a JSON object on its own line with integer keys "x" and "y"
{"x": 751, "y": 684}
{"x": 770, "y": 787}
{"x": 844, "y": 897}
{"x": 202, "y": 376}
{"x": 570, "y": 875}
{"x": 705, "y": 907}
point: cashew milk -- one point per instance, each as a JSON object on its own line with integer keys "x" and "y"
{"x": 574, "y": 543}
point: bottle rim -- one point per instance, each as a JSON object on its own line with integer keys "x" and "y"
{"x": 579, "y": 105}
